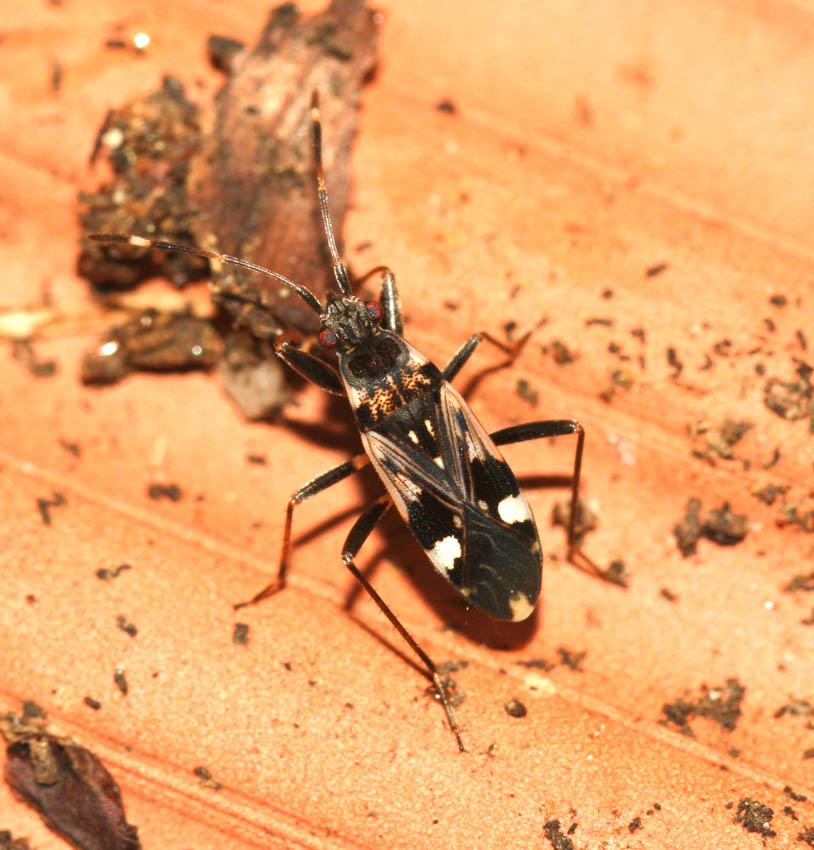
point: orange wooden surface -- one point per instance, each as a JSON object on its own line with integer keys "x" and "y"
{"x": 592, "y": 141}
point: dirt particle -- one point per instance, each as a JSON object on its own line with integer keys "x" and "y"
{"x": 561, "y": 353}
{"x": 721, "y": 526}
{"x": 616, "y": 573}
{"x": 722, "y": 704}
{"x": 675, "y": 364}
{"x": 515, "y": 708}
{"x": 44, "y": 506}
{"x": 525, "y": 391}
{"x": 769, "y": 493}
{"x": 204, "y": 775}
{"x": 571, "y": 659}
{"x": 724, "y": 527}
{"x": 120, "y": 680}
{"x": 8, "y": 842}
{"x": 802, "y": 581}
{"x": 797, "y": 515}
{"x": 798, "y": 798}
{"x": 755, "y": 817}
{"x": 559, "y": 841}
{"x": 639, "y": 333}
{"x": 689, "y": 530}
{"x": 74, "y": 448}
{"x": 537, "y": 664}
{"x": 165, "y": 491}
{"x": 795, "y": 708}
{"x": 719, "y": 438}
{"x": 109, "y": 573}
{"x": 33, "y": 711}
{"x": 126, "y": 626}
{"x": 792, "y": 399}
{"x": 618, "y": 379}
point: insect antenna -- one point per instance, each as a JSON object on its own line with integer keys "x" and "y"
{"x": 339, "y": 268}
{"x": 141, "y": 242}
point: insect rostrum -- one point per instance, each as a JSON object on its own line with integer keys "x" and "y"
{"x": 440, "y": 468}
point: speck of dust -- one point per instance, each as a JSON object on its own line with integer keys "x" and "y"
{"x": 768, "y": 605}
{"x": 141, "y": 40}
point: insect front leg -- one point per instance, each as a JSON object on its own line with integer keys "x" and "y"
{"x": 358, "y": 534}
{"x": 317, "y": 485}
{"x": 391, "y": 303}
{"x": 311, "y": 368}
{"x": 557, "y": 428}
{"x": 389, "y": 298}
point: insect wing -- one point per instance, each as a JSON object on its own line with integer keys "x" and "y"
{"x": 459, "y": 498}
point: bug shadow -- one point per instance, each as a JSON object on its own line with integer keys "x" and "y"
{"x": 335, "y": 428}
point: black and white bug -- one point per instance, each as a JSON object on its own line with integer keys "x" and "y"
{"x": 440, "y": 468}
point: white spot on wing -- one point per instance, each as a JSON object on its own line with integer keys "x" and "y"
{"x": 413, "y": 436}
{"x": 513, "y": 509}
{"x": 428, "y": 426}
{"x": 445, "y": 552}
{"x": 521, "y": 607}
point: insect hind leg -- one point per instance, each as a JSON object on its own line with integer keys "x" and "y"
{"x": 317, "y": 485}
{"x": 558, "y": 428}
{"x": 358, "y": 534}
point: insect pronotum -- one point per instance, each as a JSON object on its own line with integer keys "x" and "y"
{"x": 440, "y": 468}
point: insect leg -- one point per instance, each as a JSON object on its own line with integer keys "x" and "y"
{"x": 557, "y": 428}
{"x": 358, "y": 534}
{"x": 391, "y": 304}
{"x": 317, "y": 485}
{"x": 311, "y": 368}
{"x": 389, "y": 298}
{"x": 465, "y": 352}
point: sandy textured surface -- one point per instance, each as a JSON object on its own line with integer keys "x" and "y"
{"x": 591, "y": 142}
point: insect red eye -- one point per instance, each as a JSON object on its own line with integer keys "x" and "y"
{"x": 375, "y": 310}
{"x": 327, "y": 338}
